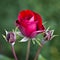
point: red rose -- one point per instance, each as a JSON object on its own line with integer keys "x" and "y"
{"x": 30, "y": 23}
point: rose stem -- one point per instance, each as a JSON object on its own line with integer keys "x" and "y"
{"x": 13, "y": 51}
{"x": 28, "y": 50}
{"x": 38, "y": 51}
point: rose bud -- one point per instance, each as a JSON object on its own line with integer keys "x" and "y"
{"x": 48, "y": 35}
{"x": 29, "y": 23}
{"x": 10, "y": 37}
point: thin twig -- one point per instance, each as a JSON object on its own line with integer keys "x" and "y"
{"x": 28, "y": 50}
{"x": 38, "y": 51}
{"x": 13, "y": 51}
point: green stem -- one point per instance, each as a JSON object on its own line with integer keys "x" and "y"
{"x": 28, "y": 50}
{"x": 13, "y": 51}
{"x": 39, "y": 50}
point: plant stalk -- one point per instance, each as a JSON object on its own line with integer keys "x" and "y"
{"x": 39, "y": 50}
{"x": 13, "y": 51}
{"x": 28, "y": 50}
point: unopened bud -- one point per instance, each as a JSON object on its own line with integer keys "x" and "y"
{"x": 11, "y": 37}
{"x": 48, "y": 35}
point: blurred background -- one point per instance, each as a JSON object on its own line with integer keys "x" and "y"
{"x": 50, "y": 12}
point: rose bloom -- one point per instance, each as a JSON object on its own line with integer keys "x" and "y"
{"x": 29, "y": 23}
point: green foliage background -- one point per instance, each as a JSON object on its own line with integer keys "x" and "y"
{"x": 50, "y": 11}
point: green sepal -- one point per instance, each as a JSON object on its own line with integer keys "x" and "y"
{"x": 38, "y": 42}
{"x": 33, "y": 41}
{"x": 4, "y": 37}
